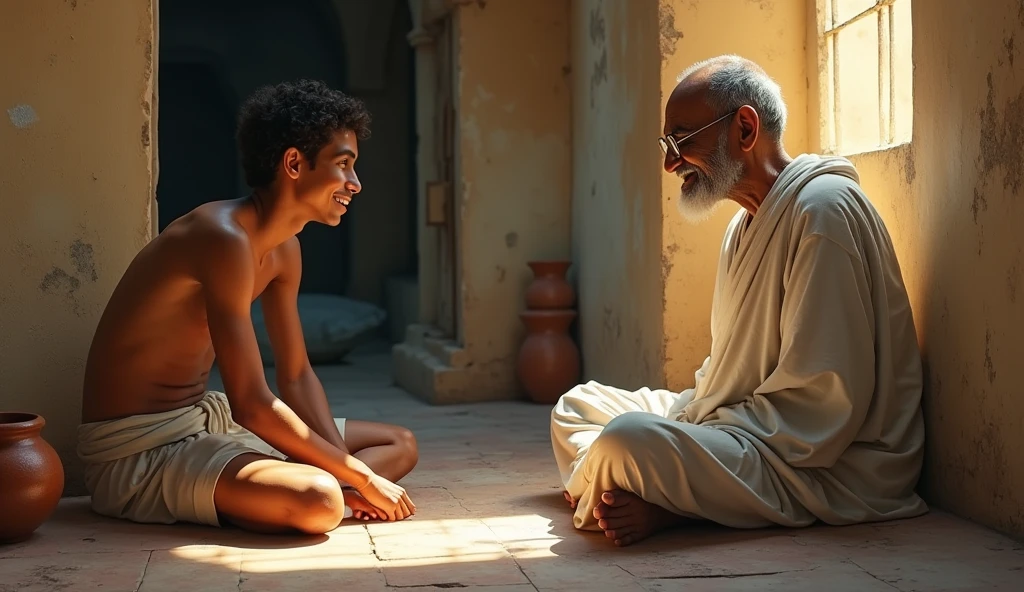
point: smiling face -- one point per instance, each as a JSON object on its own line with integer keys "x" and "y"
{"x": 329, "y": 185}
{"x": 707, "y": 170}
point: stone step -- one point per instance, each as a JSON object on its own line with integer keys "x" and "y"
{"x": 448, "y": 352}
{"x": 421, "y": 373}
{"x": 417, "y": 334}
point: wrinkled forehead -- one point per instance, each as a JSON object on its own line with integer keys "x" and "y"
{"x": 686, "y": 108}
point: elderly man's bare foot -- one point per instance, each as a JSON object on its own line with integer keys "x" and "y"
{"x": 568, "y": 498}
{"x": 627, "y": 519}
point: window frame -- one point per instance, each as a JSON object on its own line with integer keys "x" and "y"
{"x": 829, "y": 83}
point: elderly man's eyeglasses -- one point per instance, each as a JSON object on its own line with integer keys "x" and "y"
{"x": 670, "y": 145}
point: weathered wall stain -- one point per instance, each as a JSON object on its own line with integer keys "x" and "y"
{"x": 766, "y": 5}
{"x": 597, "y": 26}
{"x": 511, "y": 239}
{"x": 990, "y": 368}
{"x": 988, "y": 449}
{"x": 978, "y": 204}
{"x": 669, "y": 35}
{"x": 599, "y": 69}
{"x": 611, "y": 324}
{"x": 147, "y": 54}
{"x": 22, "y": 116}
{"x": 82, "y": 257}
{"x": 61, "y": 283}
{"x": 1013, "y": 279}
{"x": 668, "y": 260}
{"x": 58, "y": 281}
{"x": 1002, "y": 139}
{"x": 909, "y": 166}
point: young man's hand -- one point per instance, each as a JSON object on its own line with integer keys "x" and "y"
{"x": 361, "y": 509}
{"x": 391, "y": 500}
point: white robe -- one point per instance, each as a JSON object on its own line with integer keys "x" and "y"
{"x": 808, "y": 407}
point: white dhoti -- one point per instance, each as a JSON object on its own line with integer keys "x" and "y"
{"x": 808, "y": 407}
{"x": 607, "y": 438}
{"x": 163, "y": 467}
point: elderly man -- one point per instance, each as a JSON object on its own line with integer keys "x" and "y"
{"x": 808, "y": 407}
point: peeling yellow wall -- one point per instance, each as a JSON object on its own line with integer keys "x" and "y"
{"x": 513, "y": 171}
{"x": 76, "y": 187}
{"x": 616, "y": 198}
{"x": 692, "y": 31}
{"x": 954, "y": 202}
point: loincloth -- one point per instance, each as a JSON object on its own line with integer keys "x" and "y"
{"x": 163, "y": 467}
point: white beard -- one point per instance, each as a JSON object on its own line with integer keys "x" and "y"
{"x": 709, "y": 192}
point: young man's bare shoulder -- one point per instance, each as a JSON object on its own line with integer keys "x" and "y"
{"x": 211, "y": 235}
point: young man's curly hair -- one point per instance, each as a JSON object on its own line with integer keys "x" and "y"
{"x": 302, "y": 114}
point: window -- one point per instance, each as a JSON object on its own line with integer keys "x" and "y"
{"x": 866, "y": 76}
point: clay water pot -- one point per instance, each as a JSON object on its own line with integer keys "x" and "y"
{"x": 31, "y": 476}
{"x": 549, "y": 361}
{"x": 549, "y": 288}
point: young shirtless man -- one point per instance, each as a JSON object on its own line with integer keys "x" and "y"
{"x": 160, "y": 447}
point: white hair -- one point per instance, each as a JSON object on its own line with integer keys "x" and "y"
{"x": 733, "y": 81}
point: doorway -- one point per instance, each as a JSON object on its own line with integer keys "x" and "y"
{"x": 214, "y": 55}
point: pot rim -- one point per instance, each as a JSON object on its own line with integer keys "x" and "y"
{"x": 548, "y": 268}
{"x": 20, "y": 420}
{"x": 556, "y": 263}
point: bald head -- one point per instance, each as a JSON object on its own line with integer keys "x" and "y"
{"x": 728, "y": 82}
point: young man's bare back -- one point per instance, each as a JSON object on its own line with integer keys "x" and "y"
{"x": 158, "y": 445}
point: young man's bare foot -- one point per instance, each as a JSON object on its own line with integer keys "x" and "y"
{"x": 361, "y": 509}
{"x": 568, "y": 498}
{"x": 627, "y": 519}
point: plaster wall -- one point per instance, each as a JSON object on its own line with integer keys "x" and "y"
{"x": 512, "y": 172}
{"x": 952, "y": 199}
{"x": 76, "y": 192}
{"x": 616, "y": 198}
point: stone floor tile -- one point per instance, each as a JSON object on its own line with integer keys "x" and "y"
{"x": 319, "y": 568}
{"x": 73, "y": 571}
{"x": 689, "y": 554}
{"x": 206, "y": 568}
{"x": 510, "y": 588}
{"x": 490, "y": 572}
{"x": 833, "y": 577}
{"x": 577, "y": 574}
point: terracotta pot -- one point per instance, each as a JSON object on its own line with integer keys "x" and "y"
{"x": 31, "y": 476}
{"x": 549, "y": 361}
{"x": 549, "y": 288}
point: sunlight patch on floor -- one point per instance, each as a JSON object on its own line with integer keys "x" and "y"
{"x": 411, "y": 543}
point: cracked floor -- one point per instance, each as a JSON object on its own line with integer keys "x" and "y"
{"x": 491, "y": 517}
